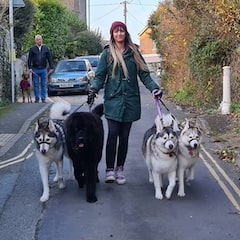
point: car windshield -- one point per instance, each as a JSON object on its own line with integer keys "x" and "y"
{"x": 71, "y": 66}
{"x": 93, "y": 61}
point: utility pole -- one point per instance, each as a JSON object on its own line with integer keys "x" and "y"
{"x": 125, "y": 10}
{"x": 89, "y": 15}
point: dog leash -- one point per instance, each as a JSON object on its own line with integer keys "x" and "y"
{"x": 157, "y": 102}
{"x": 163, "y": 104}
{"x": 79, "y": 107}
{"x": 159, "y": 109}
{"x": 35, "y": 74}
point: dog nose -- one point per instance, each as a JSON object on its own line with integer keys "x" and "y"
{"x": 43, "y": 151}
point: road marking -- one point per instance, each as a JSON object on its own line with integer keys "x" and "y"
{"x": 18, "y": 158}
{"x": 5, "y": 138}
{"x": 219, "y": 181}
{"x": 17, "y": 161}
{"x": 231, "y": 183}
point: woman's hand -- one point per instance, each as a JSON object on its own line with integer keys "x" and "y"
{"x": 91, "y": 96}
{"x": 157, "y": 93}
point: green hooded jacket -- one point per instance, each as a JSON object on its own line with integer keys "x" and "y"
{"x": 121, "y": 95}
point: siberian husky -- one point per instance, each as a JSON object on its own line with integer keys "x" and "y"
{"x": 49, "y": 139}
{"x": 189, "y": 144}
{"x": 160, "y": 145}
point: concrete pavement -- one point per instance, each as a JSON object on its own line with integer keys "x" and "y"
{"x": 15, "y": 123}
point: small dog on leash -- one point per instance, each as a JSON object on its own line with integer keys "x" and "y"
{"x": 188, "y": 152}
{"x": 26, "y": 87}
{"x": 49, "y": 137}
{"x": 160, "y": 146}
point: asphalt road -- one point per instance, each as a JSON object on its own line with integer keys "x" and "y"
{"x": 130, "y": 211}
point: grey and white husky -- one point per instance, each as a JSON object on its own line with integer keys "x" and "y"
{"x": 189, "y": 145}
{"x": 160, "y": 145}
{"x": 49, "y": 139}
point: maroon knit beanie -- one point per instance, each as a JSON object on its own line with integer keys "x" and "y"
{"x": 118, "y": 24}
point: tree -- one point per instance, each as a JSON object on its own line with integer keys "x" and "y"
{"x": 61, "y": 30}
{"x": 50, "y": 21}
{"x": 86, "y": 43}
{"x": 22, "y": 22}
{"x": 196, "y": 39}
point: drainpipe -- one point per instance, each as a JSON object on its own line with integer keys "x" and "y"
{"x": 226, "y": 102}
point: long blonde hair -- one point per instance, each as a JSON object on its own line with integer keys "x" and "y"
{"x": 118, "y": 57}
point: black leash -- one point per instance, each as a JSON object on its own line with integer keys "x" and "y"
{"x": 164, "y": 104}
{"x": 80, "y": 107}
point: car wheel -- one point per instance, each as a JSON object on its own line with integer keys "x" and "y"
{"x": 50, "y": 93}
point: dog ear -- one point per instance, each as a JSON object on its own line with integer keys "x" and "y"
{"x": 159, "y": 124}
{"x": 186, "y": 127}
{"x": 37, "y": 125}
{"x": 51, "y": 126}
{"x": 200, "y": 126}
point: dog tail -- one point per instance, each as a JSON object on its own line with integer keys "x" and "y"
{"x": 98, "y": 110}
{"x": 59, "y": 110}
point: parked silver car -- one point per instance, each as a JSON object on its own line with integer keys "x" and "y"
{"x": 71, "y": 76}
{"x": 93, "y": 59}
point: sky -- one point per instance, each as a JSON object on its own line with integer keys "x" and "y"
{"x": 102, "y": 13}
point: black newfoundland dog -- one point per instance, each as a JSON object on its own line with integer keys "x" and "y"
{"x": 84, "y": 139}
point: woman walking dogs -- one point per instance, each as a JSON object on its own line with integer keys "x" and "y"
{"x": 119, "y": 66}
{"x": 39, "y": 56}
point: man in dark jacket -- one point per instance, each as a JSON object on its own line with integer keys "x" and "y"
{"x": 38, "y": 58}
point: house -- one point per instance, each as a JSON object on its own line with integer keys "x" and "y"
{"x": 149, "y": 50}
{"x": 76, "y": 6}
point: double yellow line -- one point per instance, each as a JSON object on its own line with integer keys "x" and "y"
{"x": 220, "y": 182}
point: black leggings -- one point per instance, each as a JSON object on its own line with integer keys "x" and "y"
{"x": 118, "y": 132}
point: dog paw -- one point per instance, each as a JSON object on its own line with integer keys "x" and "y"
{"x": 180, "y": 194}
{"x": 159, "y": 196}
{"x": 150, "y": 180}
{"x": 168, "y": 195}
{"x": 91, "y": 199}
{"x": 55, "y": 179}
{"x": 61, "y": 185}
{"x": 44, "y": 198}
{"x": 188, "y": 182}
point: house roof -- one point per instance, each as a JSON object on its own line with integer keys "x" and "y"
{"x": 143, "y": 31}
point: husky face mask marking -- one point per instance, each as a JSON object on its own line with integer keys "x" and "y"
{"x": 166, "y": 138}
{"x": 45, "y": 136}
{"x": 191, "y": 137}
